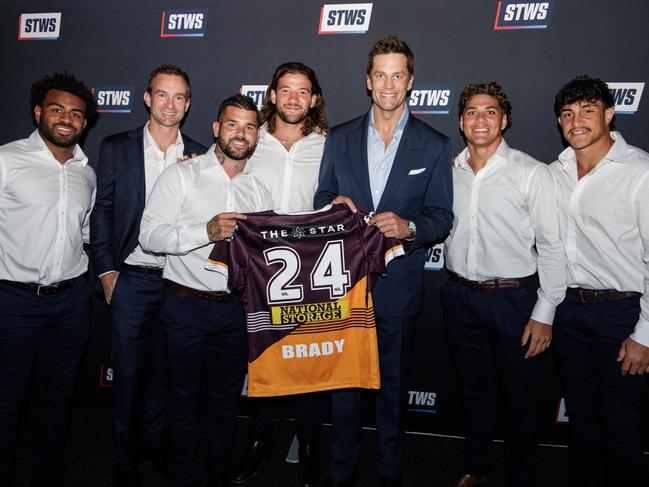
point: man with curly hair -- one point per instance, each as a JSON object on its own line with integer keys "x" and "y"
{"x": 602, "y": 328}
{"x": 505, "y": 264}
{"x": 287, "y": 160}
{"x": 47, "y": 190}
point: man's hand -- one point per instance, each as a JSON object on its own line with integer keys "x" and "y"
{"x": 108, "y": 282}
{"x": 344, "y": 200}
{"x": 185, "y": 157}
{"x": 223, "y": 225}
{"x": 539, "y": 336}
{"x": 391, "y": 225}
{"x": 634, "y": 358}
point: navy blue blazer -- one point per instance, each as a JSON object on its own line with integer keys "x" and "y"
{"x": 419, "y": 188}
{"x": 115, "y": 218}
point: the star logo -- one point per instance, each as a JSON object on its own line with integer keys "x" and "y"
{"x": 298, "y": 232}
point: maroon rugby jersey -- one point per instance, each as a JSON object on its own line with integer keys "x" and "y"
{"x": 304, "y": 280}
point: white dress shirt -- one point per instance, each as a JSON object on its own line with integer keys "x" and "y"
{"x": 505, "y": 225}
{"x": 185, "y": 197}
{"x": 44, "y": 212}
{"x": 155, "y": 161}
{"x": 290, "y": 176}
{"x": 604, "y": 219}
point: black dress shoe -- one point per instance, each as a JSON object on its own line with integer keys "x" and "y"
{"x": 257, "y": 453}
{"x": 470, "y": 480}
{"x": 308, "y": 470}
{"x": 158, "y": 458}
{"x": 127, "y": 478}
{"x": 390, "y": 481}
{"x": 339, "y": 483}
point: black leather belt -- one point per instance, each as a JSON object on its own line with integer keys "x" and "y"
{"x": 601, "y": 295}
{"x": 188, "y": 292}
{"x": 156, "y": 271}
{"x": 41, "y": 289}
{"x": 491, "y": 284}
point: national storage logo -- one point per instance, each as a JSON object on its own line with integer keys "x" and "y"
{"x": 256, "y": 92}
{"x": 186, "y": 22}
{"x": 345, "y": 18}
{"x": 39, "y": 27}
{"x": 627, "y": 97}
{"x": 512, "y": 14}
{"x": 431, "y": 99}
{"x": 113, "y": 99}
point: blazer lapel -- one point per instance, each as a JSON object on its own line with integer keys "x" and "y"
{"x": 404, "y": 159}
{"x": 135, "y": 154}
{"x": 357, "y": 154}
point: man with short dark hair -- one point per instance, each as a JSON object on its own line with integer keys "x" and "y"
{"x": 287, "y": 160}
{"x": 505, "y": 266}
{"x": 193, "y": 204}
{"x": 131, "y": 278}
{"x": 47, "y": 190}
{"x": 388, "y": 161}
{"x": 601, "y": 331}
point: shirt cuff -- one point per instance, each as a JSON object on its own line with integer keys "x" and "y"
{"x": 197, "y": 234}
{"x": 641, "y": 333}
{"x": 543, "y": 312}
{"x": 105, "y": 273}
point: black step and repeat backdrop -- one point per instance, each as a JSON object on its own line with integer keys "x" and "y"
{"x": 230, "y": 46}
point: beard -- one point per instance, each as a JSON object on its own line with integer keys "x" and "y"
{"x": 292, "y": 119}
{"x": 48, "y": 133}
{"x": 233, "y": 153}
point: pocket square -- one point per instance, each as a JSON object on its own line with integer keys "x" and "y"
{"x": 416, "y": 171}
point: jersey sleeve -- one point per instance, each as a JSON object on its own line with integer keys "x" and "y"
{"x": 380, "y": 250}
{"x": 230, "y": 259}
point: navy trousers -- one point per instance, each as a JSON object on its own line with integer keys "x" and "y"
{"x": 307, "y": 408}
{"x": 483, "y": 330}
{"x": 204, "y": 339}
{"x": 43, "y": 337}
{"x": 138, "y": 345}
{"x": 395, "y": 339}
{"x": 603, "y": 406}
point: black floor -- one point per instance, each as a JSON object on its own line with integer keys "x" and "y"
{"x": 429, "y": 461}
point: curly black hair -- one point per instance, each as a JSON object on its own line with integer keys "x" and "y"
{"x": 64, "y": 81}
{"x": 490, "y": 88}
{"x": 583, "y": 88}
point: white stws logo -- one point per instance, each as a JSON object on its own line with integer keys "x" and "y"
{"x": 434, "y": 258}
{"x": 627, "y": 97}
{"x": 347, "y": 18}
{"x": 422, "y": 401}
{"x": 256, "y": 92}
{"x": 40, "y": 26}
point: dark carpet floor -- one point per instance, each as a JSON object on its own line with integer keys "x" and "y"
{"x": 430, "y": 461}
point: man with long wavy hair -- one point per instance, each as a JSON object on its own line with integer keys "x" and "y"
{"x": 287, "y": 161}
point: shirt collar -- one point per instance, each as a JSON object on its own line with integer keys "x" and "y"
{"x": 149, "y": 142}
{"x": 502, "y": 153}
{"x": 399, "y": 128}
{"x": 36, "y": 143}
{"x": 617, "y": 152}
{"x": 212, "y": 160}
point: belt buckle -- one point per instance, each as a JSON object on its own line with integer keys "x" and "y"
{"x": 587, "y": 296}
{"x": 44, "y": 288}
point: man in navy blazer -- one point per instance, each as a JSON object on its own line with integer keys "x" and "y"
{"x": 131, "y": 279}
{"x": 392, "y": 163}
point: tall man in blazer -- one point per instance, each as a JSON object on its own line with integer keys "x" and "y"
{"x": 131, "y": 278}
{"x": 392, "y": 163}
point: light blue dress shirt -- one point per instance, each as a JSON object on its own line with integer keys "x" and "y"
{"x": 380, "y": 158}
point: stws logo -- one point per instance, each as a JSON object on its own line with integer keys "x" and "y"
{"x": 114, "y": 99}
{"x": 422, "y": 401}
{"x": 627, "y": 97}
{"x": 105, "y": 376}
{"x": 42, "y": 27}
{"x": 256, "y": 92}
{"x": 187, "y": 22}
{"x": 345, "y": 18}
{"x": 431, "y": 99}
{"x": 512, "y": 14}
{"x": 434, "y": 258}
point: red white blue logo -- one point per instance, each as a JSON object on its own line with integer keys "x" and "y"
{"x": 256, "y": 92}
{"x": 40, "y": 26}
{"x": 186, "y": 22}
{"x": 345, "y": 18}
{"x": 627, "y": 97}
{"x": 513, "y": 14}
{"x": 431, "y": 99}
{"x": 113, "y": 99}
